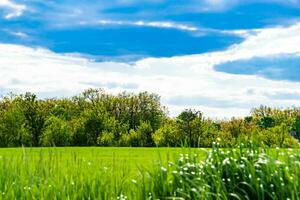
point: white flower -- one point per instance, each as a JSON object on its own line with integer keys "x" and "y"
{"x": 163, "y": 169}
{"x": 194, "y": 190}
{"x": 261, "y": 186}
{"x": 134, "y": 181}
{"x": 226, "y": 161}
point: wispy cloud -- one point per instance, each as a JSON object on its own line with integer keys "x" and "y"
{"x": 12, "y": 9}
{"x": 168, "y": 25}
{"x": 157, "y": 24}
{"x": 221, "y": 5}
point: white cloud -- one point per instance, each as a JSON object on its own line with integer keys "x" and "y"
{"x": 221, "y": 5}
{"x": 12, "y": 9}
{"x": 192, "y": 77}
{"x": 157, "y": 24}
{"x": 168, "y": 25}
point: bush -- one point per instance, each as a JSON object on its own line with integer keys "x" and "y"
{"x": 133, "y": 138}
{"x": 56, "y": 133}
{"x": 144, "y": 134}
{"x": 124, "y": 140}
{"x": 167, "y": 135}
{"x": 277, "y": 136}
{"x": 106, "y": 139}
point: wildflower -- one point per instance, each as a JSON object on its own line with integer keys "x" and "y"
{"x": 261, "y": 186}
{"x": 271, "y": 185}
{"x": 226, "y": 162}
{"x": 163, "y": 169}
{"x": 277, "y": 162}
{"x": 134, "y": 181}
{"x": 122, "y": 197}
{"x": 174, "y": 172}
{"x": 194, "y": 190}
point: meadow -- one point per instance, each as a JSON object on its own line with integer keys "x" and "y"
{"x": 149, "y": 173}
{"x": 78, "y": 172}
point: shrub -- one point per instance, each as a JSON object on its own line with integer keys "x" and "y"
{"x": 144, "y": 133}
{"x": 106, "y": 139}
{"x": 56, "y": 133}
{"x": 167, "y": 135}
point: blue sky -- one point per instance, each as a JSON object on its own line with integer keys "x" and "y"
{"x": 203, "y": 46}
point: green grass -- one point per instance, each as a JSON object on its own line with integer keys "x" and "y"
{"x": 149, "y": 173}
{"x": 78, "y": 173}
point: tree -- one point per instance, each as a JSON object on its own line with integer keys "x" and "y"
{"x": 34, "y": 116}
{"x": 56, "y": 132}
{"x": 297, "y": 125}
{"x": 168, "y": 135}
{"x": 144, "y": 133}
{"x": 12, "y": 131}
{"x": 189, "y": 123}
{"x": 266, "y": 122}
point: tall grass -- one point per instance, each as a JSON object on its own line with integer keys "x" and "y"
{"x": 239, "y": 173}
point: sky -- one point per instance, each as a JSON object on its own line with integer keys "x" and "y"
{"x": 222, "y": 57}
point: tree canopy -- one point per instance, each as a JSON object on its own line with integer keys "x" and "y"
{"x": 97, "y": 118}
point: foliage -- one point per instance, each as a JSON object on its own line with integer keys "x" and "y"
{"x": 56, "y": 133}
{"x": 98, "y": 118}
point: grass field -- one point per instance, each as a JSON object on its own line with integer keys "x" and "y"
{"x": 136, "y": 173}
{"x": 76, "y": 173}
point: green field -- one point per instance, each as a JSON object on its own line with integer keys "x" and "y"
{"x": 127, "y": 158}
{"x": 146, "y": 173}
{"x": 83, "y": 172}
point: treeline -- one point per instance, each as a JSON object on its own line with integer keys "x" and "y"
{"x": 96, "y": 118}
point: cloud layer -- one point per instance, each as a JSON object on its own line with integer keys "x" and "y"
{"x": 183, "y": 81}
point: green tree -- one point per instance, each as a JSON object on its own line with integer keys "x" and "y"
{"x": 56, "y": 133}
{"x": 34, "y": 116}
{"x": 189, "y": 122}
{"x": 168, "y": 135}
{"x": 144, "y": 133}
